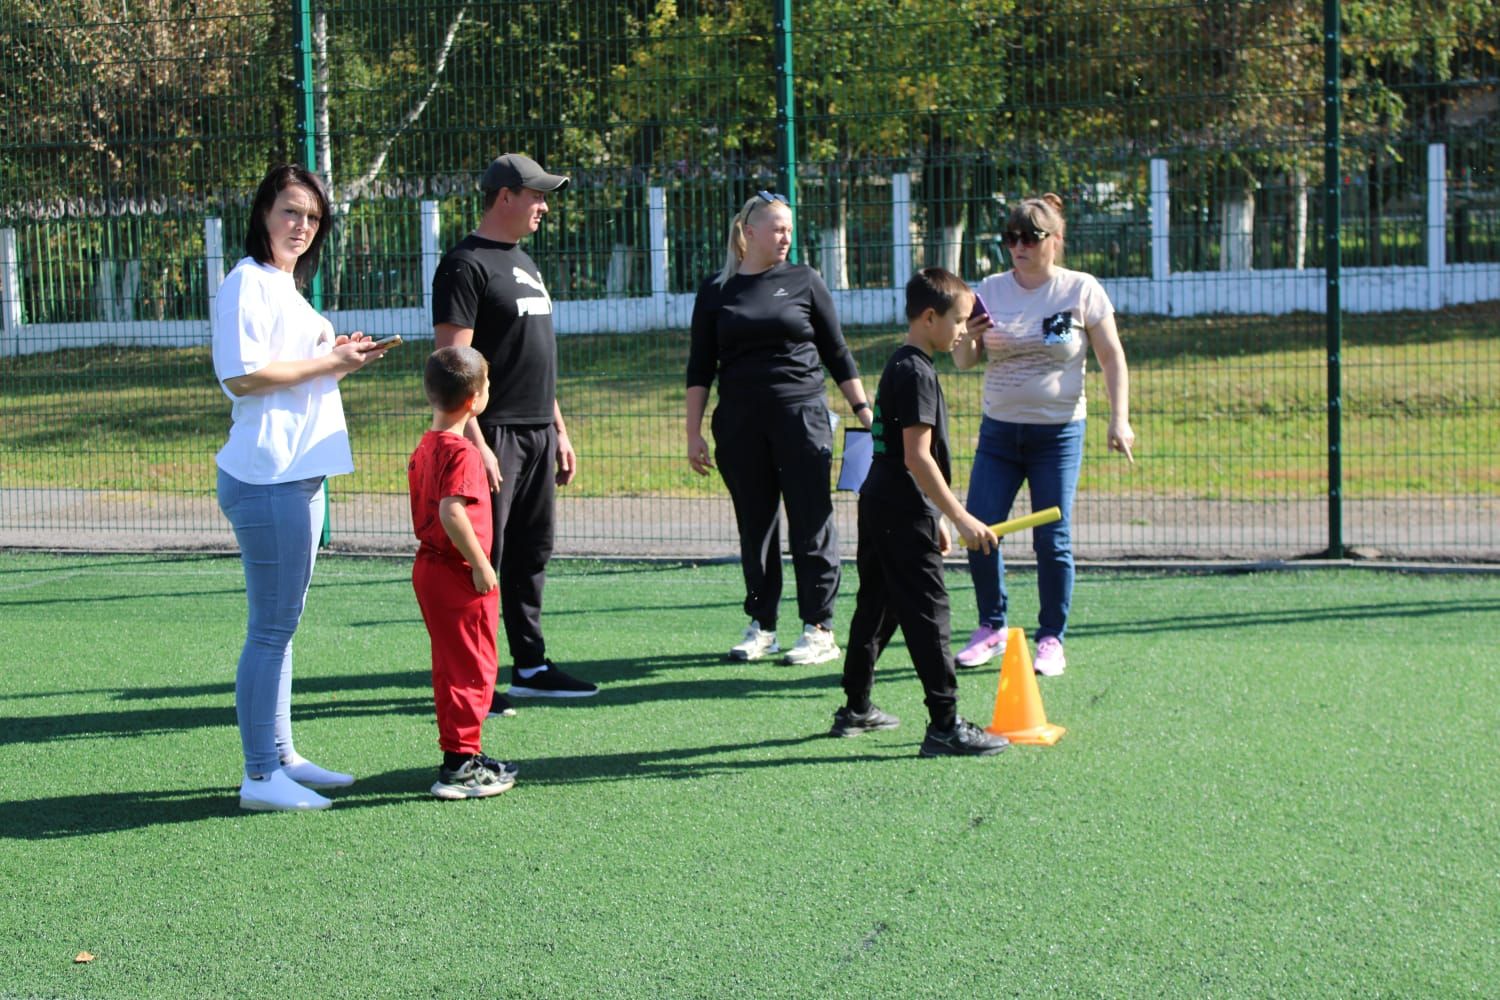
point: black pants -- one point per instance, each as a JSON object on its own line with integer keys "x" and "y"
{"x": 901, "y": 583}
{"x": 525, "y": 513}
{"x": 770, "y": 452}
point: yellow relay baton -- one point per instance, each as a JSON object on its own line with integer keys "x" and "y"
{"x": 1029, "y": 521}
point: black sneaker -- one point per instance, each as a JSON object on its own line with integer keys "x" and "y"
{"x": 500, "y": 706}
{"x": 847, "y": 722}
{"x": 473, "y": 780}
{"x": 502, "y": 766}
{"x": 550, "y": 682}
{"x": 964, "y": 740}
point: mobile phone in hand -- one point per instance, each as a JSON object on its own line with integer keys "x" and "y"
{"x": 980, "y": 310}
{"x": 391, "y": 341}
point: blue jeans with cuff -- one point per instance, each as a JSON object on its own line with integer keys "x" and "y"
{"x": 277, "y": 527}
{"x": 1048, "y": 457}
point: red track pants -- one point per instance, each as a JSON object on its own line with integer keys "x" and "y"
{"x": 462, "y": 627}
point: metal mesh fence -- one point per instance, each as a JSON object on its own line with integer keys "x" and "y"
{"x": 1190, "y": 143}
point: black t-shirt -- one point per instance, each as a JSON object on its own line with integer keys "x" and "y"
{"x": 767, "y": 335}
{"x": 909, "y": 394}
{"x": 495, "y": 290}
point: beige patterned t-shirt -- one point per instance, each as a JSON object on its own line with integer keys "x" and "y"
{"x": 1036, "y": 350}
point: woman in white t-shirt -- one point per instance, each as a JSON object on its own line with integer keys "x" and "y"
{"x": 1038, "y": 317}
{"x": 280, "y": 364}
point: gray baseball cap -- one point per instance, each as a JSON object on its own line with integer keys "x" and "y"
{"x": 515, "y": 170}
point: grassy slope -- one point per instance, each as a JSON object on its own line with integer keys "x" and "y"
{"x": 1223, "y": 407}
{"x": 1265, "y": 789}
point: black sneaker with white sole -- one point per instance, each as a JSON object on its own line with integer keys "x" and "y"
{"x": 499, "y": 766}
{"x": 500, "y": 707}
{"x": 847, "y": 722}
{"x": 550, "y": 682}
{"x": 473, "y": 780}
{"x": 963, "y": 739}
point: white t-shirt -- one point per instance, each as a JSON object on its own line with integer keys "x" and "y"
{"x": 1036, "y": 350}
{"x": 292, "y": 433}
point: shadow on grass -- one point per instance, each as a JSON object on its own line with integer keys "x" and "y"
{"x": 414, "y": 620}
{"x": 698, "y": 762}
{"x": 630, "y": 682}
{"x": 623, "y": 682}
{"x": 64, "y": 564}
{"x": 85, "y": 815}
{"x": 110, "y": 812}
{"x": 150, "y": 721}
{"x": 417, "y": 677}
{"x": 1413, "y": 610}
{"x": 673, "y": 764}
{"x": 192, "y": 594}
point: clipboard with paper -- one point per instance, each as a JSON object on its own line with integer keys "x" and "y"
{"x": 859, "y": 450}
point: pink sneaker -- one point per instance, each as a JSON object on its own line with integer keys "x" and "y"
{"x": 1049, "y": 657}
{"x": 984, "y": 645}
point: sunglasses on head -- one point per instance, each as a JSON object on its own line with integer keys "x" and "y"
{"x": 1031, "y": 239}
{"x": 771, "y": 197}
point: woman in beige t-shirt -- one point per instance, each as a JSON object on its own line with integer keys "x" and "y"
{"x": 1037, "y": 321}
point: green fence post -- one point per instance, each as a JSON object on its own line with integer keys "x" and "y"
{"x": 302, "y": 37}
{"x": 1333, "y": 307}
{"x": 786, "y": 115}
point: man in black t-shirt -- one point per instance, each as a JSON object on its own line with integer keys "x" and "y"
{"x": 487, "y": 293}
{"x": 902, "y": 535}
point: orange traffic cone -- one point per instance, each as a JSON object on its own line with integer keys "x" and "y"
{"x": 1019, "y": 716}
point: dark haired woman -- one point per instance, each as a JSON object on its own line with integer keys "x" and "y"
{"x": 766, "y": 329}
{"x": 1042, "y": 319}
{"x": 280, "y": 363}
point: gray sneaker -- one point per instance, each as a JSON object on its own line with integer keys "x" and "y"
{"x": 474, "y": 780}
{"x": 963, "y": 740}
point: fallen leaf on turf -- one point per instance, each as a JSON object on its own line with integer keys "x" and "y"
{"x": 83, "y": 956}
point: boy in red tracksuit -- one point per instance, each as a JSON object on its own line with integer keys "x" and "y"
{"x": 452, "y": 575}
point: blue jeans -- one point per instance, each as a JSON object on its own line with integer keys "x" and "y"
{"x": 277, "y": 527}
{"x": 1048, "y": 456}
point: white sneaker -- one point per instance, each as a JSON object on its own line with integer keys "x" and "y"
{"x": 757, "y": 643}
{"x": 815, "y": 646}
{"x": 1049, "y": 660}
{"x": 309, "y": 775}
{"x": 278, "y": 793}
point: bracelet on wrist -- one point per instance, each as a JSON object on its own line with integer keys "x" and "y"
{"x": 860, "y": 406}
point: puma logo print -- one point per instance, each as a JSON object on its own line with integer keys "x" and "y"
{"x": 525, "y": 279}
{"x": 531, "y": 305}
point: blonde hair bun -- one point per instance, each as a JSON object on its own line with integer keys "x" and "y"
{"x": 1053, "y": 200}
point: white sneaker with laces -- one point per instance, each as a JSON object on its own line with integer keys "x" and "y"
{"x": 756, "y": 643}
{"x": 309, "y": 775}
{"x": 816, "y": 645}
{"x": 278, "y": 793}
{"x": 1049, "y": 660}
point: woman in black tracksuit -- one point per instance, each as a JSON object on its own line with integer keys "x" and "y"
{"x": 766, "y": 329}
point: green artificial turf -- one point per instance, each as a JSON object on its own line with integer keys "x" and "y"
{"x": 1271, "y": 785}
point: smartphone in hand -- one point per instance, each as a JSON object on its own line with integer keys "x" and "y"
{"x": 391, "y": 341}
{"x": 980, "y": 310}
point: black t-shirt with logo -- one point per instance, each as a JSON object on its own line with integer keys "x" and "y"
{"x": 909, "y": 394}
{"x": 767, "y": 336}
{"x": 495, "y": 290}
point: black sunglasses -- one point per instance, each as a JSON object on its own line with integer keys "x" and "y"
{"x": 771, "y": 197}
{"x": 1031, "y": 239}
